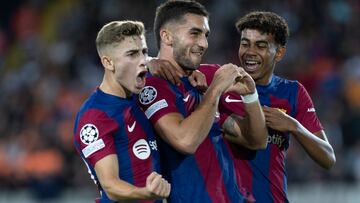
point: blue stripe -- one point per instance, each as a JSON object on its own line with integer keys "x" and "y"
{"x": 260, "y": 166}
{"x": 187, "y": 182}
{"x": 260, "y": 187}
{"x": 146, "y": 126}
{"x": 121, "y": 141}
{"x": 179, "y": 99}
{"x": 226, "y": 165}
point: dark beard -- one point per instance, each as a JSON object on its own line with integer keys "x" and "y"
{"x": 180, "y": 58}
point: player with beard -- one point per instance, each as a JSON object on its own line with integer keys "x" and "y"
{"x": 287, "y": 106}
{"x": 194, "y": 156}
{"x": 111, "y": 133}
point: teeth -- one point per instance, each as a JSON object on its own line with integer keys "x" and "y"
{"x": 251, "y": 62}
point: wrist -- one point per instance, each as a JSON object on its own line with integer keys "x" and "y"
{"x": 250, "y": 98}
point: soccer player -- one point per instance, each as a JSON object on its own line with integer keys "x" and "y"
{"x": 287, "y": 106}
{"x": 194, "y": 156}
{"x": 111, "y": 133}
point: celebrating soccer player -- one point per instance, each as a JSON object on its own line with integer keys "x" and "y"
{"x": 194, "y": 156}
{"x": 112, "y": 134}
{"x": 287, "y": 106}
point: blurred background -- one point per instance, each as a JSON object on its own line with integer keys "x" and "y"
{"x": 49, "y": 65}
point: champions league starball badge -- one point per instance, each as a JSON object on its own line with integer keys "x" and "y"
{"x": 89, "y": 134}
{"x": 147, "y": 95}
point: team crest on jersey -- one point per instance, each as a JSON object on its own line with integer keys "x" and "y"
{"x": 89, "y": 134}
{"x": 141, "y": 149}
{"x": 147, "y": 95}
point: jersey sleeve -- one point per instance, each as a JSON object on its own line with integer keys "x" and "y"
{"x": 306, "y": 113}
{"x": 209, "y": 71}
{"x": 230, "y": 102}
{"x": 157, "y": 99}
{"x": 94, "y": 135}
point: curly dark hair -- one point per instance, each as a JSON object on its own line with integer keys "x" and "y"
{"x": 265, "y": 22}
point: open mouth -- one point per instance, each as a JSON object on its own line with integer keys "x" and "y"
{"x": 251, "y": 65}
{"x": 140, "y": 79}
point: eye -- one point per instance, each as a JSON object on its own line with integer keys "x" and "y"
{"x": 244, "y": 43}
{"x": 194, "y": 33}
{"x": 133, "y": 53}
{"x": 262, "y": 45}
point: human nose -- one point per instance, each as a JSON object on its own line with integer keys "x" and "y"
{"x": 203, "y": 42}
{"x": 143, "y": 59}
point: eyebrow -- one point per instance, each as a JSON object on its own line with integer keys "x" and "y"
{"x": 257, "y": 42}
{"x": 136, "y": 50}
{"x": 132, "y": 50}
{"x": 199, "y": 30}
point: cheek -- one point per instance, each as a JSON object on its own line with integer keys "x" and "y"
{"x": 125, "y": 73}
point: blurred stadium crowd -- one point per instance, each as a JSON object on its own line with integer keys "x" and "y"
{"x": 49, "y": 64}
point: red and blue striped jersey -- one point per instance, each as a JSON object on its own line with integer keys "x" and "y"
{"x": 262, "y": 172}
{"x": 206, "y": 176}
{"x": 107, "y": 124}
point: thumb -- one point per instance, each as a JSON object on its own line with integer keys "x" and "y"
{"x": 192, "y": 81}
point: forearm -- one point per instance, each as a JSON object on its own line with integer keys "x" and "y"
{"x": 249, "y": 131}
{"x": 318, "y": 148}
{"x": 118, "y": 190}
{"x": 256, "y": 133}
{"x": 194, "y": 128}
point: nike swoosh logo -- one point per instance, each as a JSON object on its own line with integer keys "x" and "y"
{"x": 186, "y": 99}
{"x": 311, "y": 110}
{"x": 132, "y": 127}
{"x": 228, "y": 100}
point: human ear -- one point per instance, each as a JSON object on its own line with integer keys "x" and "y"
{"x": 107, "y": 63}
{"x": 280, "y": 53}
{"x": 166, "y": 37}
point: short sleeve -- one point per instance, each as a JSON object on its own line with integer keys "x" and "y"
{"x": 157, "y": 99}
{"x": 230, "y": 102}
{"x": 94, "y": 135}
{"x": 306, "y": 113}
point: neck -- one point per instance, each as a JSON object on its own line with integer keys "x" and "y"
{"x": 110, "y": 86}
{"x": 264, "y": 81}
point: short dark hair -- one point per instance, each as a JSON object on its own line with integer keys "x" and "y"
{"x": 115, "y": 32}
{"x": 174, "y": 11}
{"x": 265, "y": 22}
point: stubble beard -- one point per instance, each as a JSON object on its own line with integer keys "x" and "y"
{"x": 180, "y": 56}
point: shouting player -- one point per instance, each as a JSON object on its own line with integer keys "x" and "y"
{"x": 112, "y": 134}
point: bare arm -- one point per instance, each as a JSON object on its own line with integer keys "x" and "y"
{"x": 118, "y": 190}
{"x": 250, "y": 131}
{"x": 186, "y": 134}
{"x": 315, "y": 144}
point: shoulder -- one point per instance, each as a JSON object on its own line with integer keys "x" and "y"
{"x": 286, "y": 83}
{"x": 209, "y": 71}
{"x": 155, "y": 81}
{"x": 208, "y": 68}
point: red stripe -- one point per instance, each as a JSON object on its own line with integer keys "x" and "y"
{"x": 276, "y": 174}
{"x": 209, "y": 167}
{"x": 140, "y": 168}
